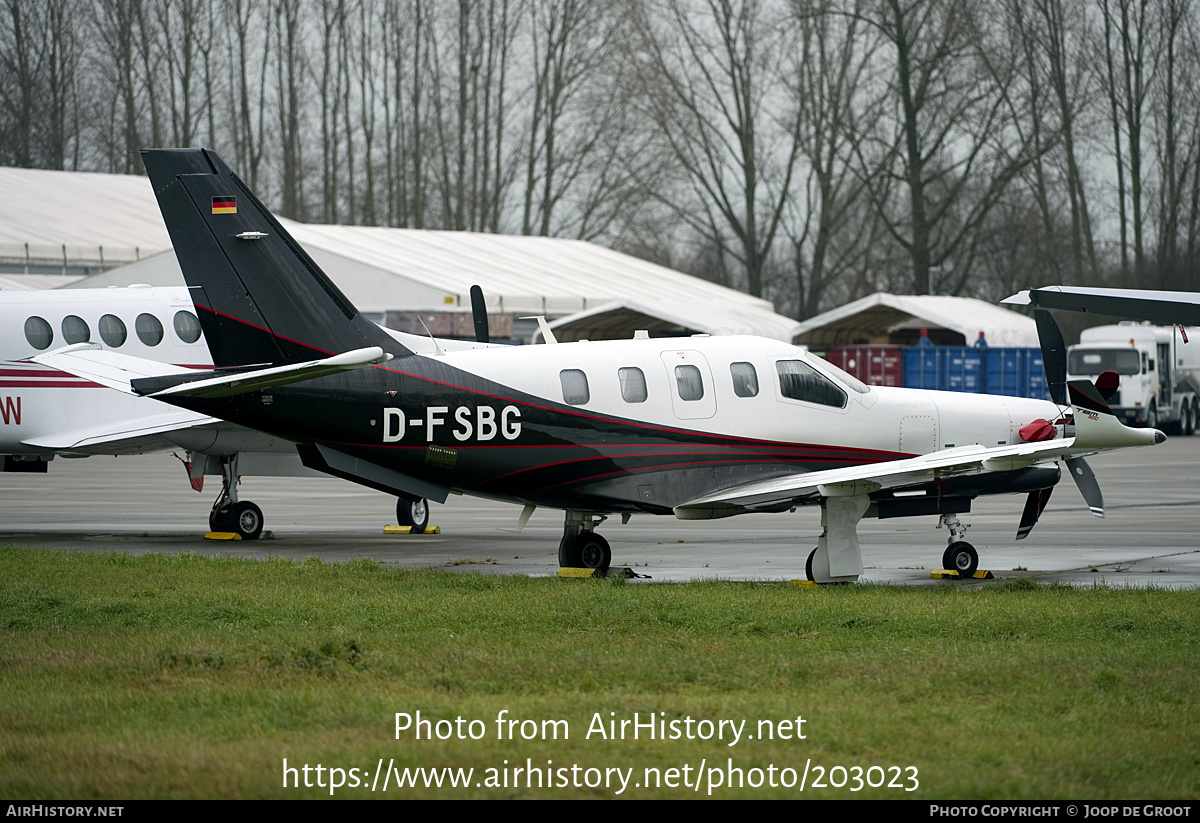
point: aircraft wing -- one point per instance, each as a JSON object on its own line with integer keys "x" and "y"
{"x": 1162, "y": 307}
{"x": 1096, "y": 429}
{"x": 874, "y": 477}
{"x": 137, "y": 435}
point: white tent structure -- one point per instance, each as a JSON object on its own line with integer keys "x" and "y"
{"x": 91, "y": 220}
{"x": 896, "y": 318}
{"x": 75, "y": 223}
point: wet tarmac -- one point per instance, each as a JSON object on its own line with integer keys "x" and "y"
{"x": 1149, "y": 537}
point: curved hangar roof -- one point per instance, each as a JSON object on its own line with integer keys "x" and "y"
{"x": 77, "y": 219}
{"x": 96, "y": 220}
{"x": 898, "y": 318}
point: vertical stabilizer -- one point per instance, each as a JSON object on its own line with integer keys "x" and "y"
{"x": 260, "y": 297}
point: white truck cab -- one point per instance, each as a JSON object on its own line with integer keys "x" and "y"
{"x": 1160, "y": 373}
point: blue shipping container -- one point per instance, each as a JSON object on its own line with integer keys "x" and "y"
{"x": 1016, "y": 372}
{"x": 945, "y": 368}
{"x": 1013, "y": 372}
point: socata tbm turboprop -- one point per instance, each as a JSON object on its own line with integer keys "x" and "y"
{"x": 701, "y": 428}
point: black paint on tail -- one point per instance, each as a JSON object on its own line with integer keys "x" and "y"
{"x": 260, "y": 297}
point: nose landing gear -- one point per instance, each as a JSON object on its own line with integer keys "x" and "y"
{"x": 960, "y": 556}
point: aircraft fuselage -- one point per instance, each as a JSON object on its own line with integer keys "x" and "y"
{"x": 551, "y": 425}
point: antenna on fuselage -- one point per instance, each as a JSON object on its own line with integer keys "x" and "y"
{"x": 437, "y": 350}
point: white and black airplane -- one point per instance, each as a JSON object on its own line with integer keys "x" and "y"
{"x": 701, "y": 428}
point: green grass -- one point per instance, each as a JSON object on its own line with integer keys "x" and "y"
{"x": 182, "y": 676}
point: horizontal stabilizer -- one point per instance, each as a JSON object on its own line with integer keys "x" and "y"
{"x": 242, "y": 382}
{"x": 116, "y": 371}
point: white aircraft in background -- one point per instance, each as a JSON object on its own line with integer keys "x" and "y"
{"x": 47, "y": 413}
{"x": 700, "y": 428}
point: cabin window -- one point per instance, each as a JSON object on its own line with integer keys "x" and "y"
{"x": 745, "y": 379}
{"x": 75, "y": 330}
{"x": 689, "y": 382}
{"x": 149, "y": 329}
{"x": 38, "y": 333}
{"x": 633, "y": 384}
{"x": 574, "y": 387}
{"x": 113, "y": 331}
{"x": 187, "y": 326}
{"x": 800, "y": 381}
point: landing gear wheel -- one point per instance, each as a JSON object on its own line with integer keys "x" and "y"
{"x": 568, "y": 552}
{"x": 217, "y": 519}
{"x": 245, "y": 520}
{"x": 412, "y": 513}
{"x": 593, "y": 551}
{"x": 808, "y": 572}
{"x": 961, "y": 557}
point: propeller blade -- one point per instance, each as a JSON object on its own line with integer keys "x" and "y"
{"x": 1034, "y": 505}
{"x": 479, "y": 315}
{"x": 1085, "y": 479}
{"x": 1054, "y": 354}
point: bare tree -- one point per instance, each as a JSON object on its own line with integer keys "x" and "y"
{"x": 289, "y": 76}
{"x": 833, "y": 93}
{"x": 713, "y": 76}
{"x": 248, "y": 102}
{"x": 949, "y": 147}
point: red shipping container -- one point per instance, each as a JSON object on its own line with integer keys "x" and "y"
{"x": 874, "y": 365}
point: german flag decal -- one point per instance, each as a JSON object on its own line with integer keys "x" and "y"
{"x": 224, "y": 205}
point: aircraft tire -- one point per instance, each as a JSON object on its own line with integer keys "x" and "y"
{"x": 808, "y": 572}
{"x": 961, "y": 557}
{"x": 568, "y": 552}
{"x": 245, "y": 520}
{"x": 593, "y": 551}
{"x": 413, "y": 513}
{"x": 217, "y": 519}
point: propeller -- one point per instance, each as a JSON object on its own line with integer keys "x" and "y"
{"x": 479, "y": 315}
{"x": 1054, "y": 360}
{"x": 1054, "y": 355}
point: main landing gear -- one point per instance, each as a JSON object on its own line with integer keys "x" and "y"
{"x": 837, "y": 558}
{"x": 581, "y": 547}
{"x": 412, "y": 512}
{"x": 229, "y": 514}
